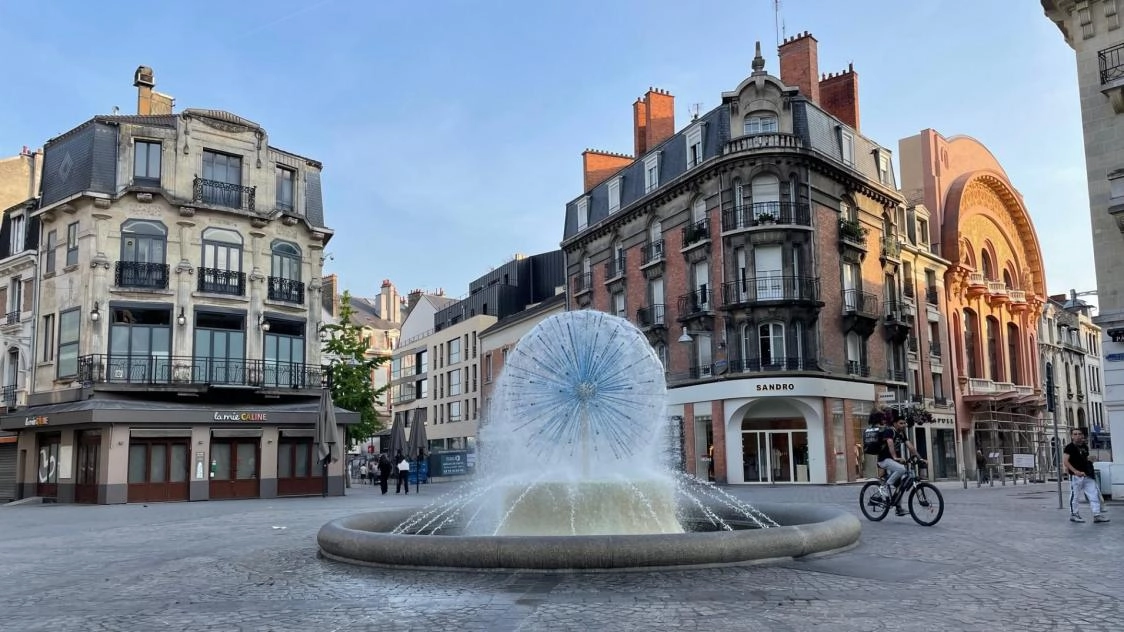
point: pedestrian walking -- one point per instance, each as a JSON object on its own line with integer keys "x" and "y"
{"x": 385, "y": 468}
{"x": 363, "y": 473}
{"x": 981, "y": 468}
{"x": 1082, "y": 479}
{"x": 403, "y": 474}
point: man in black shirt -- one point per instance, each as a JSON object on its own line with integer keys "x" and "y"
{"x": 1081, "y": 478}
{"x": 890, "y": 457}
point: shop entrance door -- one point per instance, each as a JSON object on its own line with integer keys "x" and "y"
{"x": 775, "y": 451}
{"x": 297, "y": 470}
{"x": 47, "y": 474}
{"x": 158, "y": 469}
{"x": 86, "y": 468}
{"x": 235, "y": 464}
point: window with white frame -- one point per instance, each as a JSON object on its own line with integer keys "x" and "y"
{"x": 847, "y": 142}
{"x": 770, "y": 337}
{"x": 652, "y": 172}
{"x": 618, "y": 305}
{"x": 694, "y": 146}
{"x": 614, "y": 195}
{"x": 759, "y": 123}
{"x": 17, "y": 234}
{"x": 854, "y": 344}
{"x": 884, "y": 168}
{"x": 454, "y": 383}
{"x": 583, "y": 213}
{"x": 703, "y": 354}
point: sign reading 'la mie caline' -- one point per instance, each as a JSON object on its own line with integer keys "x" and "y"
{"x": 239, "y": 416}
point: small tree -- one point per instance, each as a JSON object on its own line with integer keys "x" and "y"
{"x": 350, "y": 372}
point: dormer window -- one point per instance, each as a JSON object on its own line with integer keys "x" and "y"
{"x": 17, "y": 244}
{"x": 286, "y": 183}
{"x": 614, "y": 195}
{"x": 694, "y": 146}
{"x": 146, "y": 163}
{"x": 847, "y": 145}
{"x": 652, "y": 172}
{"x": 884, "y": 168}
{"x": 760, "y": 123}
{"x": 583, "y": 213}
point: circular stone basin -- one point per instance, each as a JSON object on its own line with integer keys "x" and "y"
{"x": 805, "y": 529}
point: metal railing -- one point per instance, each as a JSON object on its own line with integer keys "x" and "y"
{"x": 765, "y": 214}
{"x": 695, "y": 303}
{"x": 931, "y": 296}
{"x": 860, "y": 369}
{"x": 891, "y": 247}
{"x": 141, "y": 274}
{"x": 182, "y": 370}
{"x": 651, "y": 316}
{"x": 911, "y": 344}
{"x": 1111, "y": 63}
{"x": 616, "y": 267}
{"x": 8, "y": 395}
{"x": 285, "y": 290}
{"x": 770, "y": 288}
{"x": 789, "y": 363}
{"x": 12, "y": 318}
{"x": 935, "y": 348}
{"x": 218, "y": 281}
{"x": 225, "y": 194}
{"x": 583, "y": 282}
{"x": 651, "y": 252}
{"x": 861, "y": 303}
{"x": 696, "y": 232}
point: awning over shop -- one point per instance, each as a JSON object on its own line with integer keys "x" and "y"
{"x": 99, "y": 410}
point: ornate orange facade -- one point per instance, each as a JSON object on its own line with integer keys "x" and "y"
{"x": 995, "y": 288}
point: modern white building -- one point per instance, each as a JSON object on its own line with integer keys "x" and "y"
{"x": 1092, "y": 29}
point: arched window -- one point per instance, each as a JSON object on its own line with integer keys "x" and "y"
{"x": 971, "y": 343}
{"x": 1014, "y": 358}
{"x": 661, "y": 353}
{"x": 1007, "y": 279}
{"x": 759, "y": 123}
{"x": 655, "y": 242}
{"x": 221, "y": 271}
{"x": 766, "y": 194}
{"x": 285, "y": 278}
{"x": 698, "y": 211}
{"x": 986, "y": 266}
{"x": 617, "y": 264}
{"x": 144, "y": 248}
{"x": 770, "y": 337}
{"x": 994, "y": 360}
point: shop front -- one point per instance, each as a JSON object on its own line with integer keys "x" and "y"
{"x": 770, "y": 431}
{"x": 109, "y": 451}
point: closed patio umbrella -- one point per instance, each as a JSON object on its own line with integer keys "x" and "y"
{"x": 418, "y": 439}
{"x": 327, "y": 435}
{"x": 397, "y": 440}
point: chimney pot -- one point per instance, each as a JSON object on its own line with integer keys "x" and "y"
{"x": 799, "y": 64}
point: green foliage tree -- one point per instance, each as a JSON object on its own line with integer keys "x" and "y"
{"x": 350, "y": 372}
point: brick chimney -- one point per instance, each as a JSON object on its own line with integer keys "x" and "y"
{"x": 598, "y": 165}
{"x": 800, "y": 64}
{"x": 330, "y": 294}
{"x": 653, "y": 119}
{"x": 149, "y": 101}
{"x": 839, "y": 94}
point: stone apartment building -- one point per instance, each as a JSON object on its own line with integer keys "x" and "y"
{"x": 1070, "y": 342}
{"x": 176, "y": 311}
{"x": 760, "y": 249}
{"x": 1092, "y": 29}
{"x": 19, "y": 240}
{"x": 994, "y": 290}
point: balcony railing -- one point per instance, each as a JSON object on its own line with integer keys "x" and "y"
{"x": 696, "y": 232}
{"x": 8, "y": 395}
{"x": 861, "y": 303}
{"x": 753, "y": 365}
{"x": 582, "y": 282}
{"x": 652, "y": 252}
{"x": 977, "y": 279}
{"x": 225, "y": 194}
{"x": 156, "y": 370}
{"x": 697, "y": 302}
{"x": 141, "y": 274}
{"x": 931, "y": 296}
{"x": 899, "y": 311}
{"x": 765, "y": 214}
{"x": 1017, "y": 296}
{"x": 891, "y": 247}
{"x": 896, "y": 375}
{"x": 860, "y": 369}
{"x": 771, "y": 288}
{"x": 651, "y": 316}
{"x": 753, "y": 142}
{"x": 1111, "y": 63}
{"x": 218, "y": 281}
{"x": 935, "y": 348}
{"x": 12, "y": 318}
{"x": 911, "y": 344}
{"x": 907, "y": 289}
{"x": 616, "y": 267}
{"x": 285, "y": 290}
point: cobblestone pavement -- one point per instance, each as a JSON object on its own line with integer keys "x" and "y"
{"x": 1002, "y": 558}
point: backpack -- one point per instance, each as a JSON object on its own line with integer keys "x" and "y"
{"x": 872, "y": 440}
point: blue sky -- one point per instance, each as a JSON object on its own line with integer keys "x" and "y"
{"x": 451, "y": 131}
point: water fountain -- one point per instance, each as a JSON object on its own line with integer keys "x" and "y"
{"x": 573, "y": 476}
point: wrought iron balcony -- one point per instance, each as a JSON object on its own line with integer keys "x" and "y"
{"x": 860, "y": 369}
{"x": 935, "y": 348}
{"x": 891, "y": 247}
{"x": 896, "y": 375}
{"x": 651, "y": 252}
{"x": 140, "y": 274}
{"x": 911, "y": 344}
{"x": 696, "y": 303}
{"x": 583, "y": 282}
{"x": 770, "y": 289}
{"x": 285, "y": 290}
{"x": 931, "y": 296}
{"x": 907, "y": 289}
{"x": 616, "y": 267}
{"x": 860, "y": 303}
{"x": 651, "y": 316}
{"x": 12, "y": 318}
{"x": 225, "y": 194}
{"x": 765, "y": 214}
{"x": 8, "y": 395}
{"x": 218, "y": 281}
{"x": 696, "y": 232}
{"x": 163, "y": 370}
{"x": 1111, "y": 63}
{"x": 791, "y": 363}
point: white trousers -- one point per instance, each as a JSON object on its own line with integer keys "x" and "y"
{"x": 1084, "y": 485}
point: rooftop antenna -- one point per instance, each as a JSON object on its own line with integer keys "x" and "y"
{"x": 695, "y": 111}
{"x": 777, "y": 26}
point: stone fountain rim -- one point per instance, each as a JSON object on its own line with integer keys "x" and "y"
{"x": 364, "y": 539}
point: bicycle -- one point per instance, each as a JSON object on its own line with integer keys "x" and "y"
{"x": 926, "y": 504}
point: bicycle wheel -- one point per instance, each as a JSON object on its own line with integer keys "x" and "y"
{"x": 926, "y": 504}
{"x": 873, "y": 506}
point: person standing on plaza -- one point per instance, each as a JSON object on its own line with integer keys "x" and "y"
{"x": 1082, "y": 480}
{"x": 981, "y": 468}
{"x": 403, "y": 474}
{"x": 384, "y": 472}
{"x": 363, "y": 473}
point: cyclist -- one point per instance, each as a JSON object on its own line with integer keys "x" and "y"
{"x": 891, "y": 460}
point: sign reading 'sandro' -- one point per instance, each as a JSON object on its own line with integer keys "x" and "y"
{"x": 777, "y": 386}
{"x": 239, "y": 416}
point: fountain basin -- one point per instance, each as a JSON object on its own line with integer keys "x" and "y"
{"x": 366, "y": 539}
{"x": 597, "y": 507}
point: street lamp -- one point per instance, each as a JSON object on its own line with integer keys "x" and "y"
{"x": 686, "y": 338}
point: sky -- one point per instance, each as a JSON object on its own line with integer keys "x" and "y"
{"x": 451, "y": 131}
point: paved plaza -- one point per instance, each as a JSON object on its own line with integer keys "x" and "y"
{"x": 1003, "y": 558}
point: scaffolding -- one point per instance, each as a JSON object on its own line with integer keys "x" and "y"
{"x": 1011, "y": 428}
